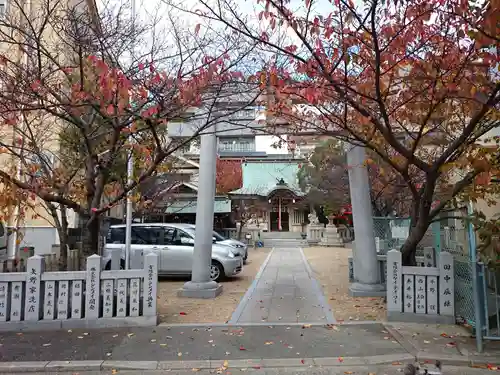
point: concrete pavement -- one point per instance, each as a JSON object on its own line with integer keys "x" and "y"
{"x": 336, "y": 370}
{"x": 285, "y": 291}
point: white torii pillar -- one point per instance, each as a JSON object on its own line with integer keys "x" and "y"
{"x": 200, "y": 285}
{"x": 367, "y": 281}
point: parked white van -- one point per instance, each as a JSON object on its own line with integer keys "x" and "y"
{"x": 4, "y": 236}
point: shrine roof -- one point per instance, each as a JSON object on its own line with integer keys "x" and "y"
{"x": 262, "y": 178}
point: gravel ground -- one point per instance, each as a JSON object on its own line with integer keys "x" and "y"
{"x": 173, "y": 309}
{"x": 330, "y": 268}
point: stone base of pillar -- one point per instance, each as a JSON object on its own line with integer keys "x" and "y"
{"x": 358, "y": 289}
{"x": 331, "y": 237}
{"x": 191, "y": 289}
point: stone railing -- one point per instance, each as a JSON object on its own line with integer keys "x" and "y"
{"x": 346, "y": 233}
{"x": 428, "y": 260}
{"x": 420, "y": 294}
{"x": 92, "y": 298}
{"x": 315, "y": 233}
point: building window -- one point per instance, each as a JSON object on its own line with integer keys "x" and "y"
{"x": 244, "y": 114}
{"x": 3, "y": 8}
{"x": 236, "y": 144}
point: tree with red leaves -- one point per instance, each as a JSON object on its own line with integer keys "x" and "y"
{"x": 79, "y": 96}
{"x": 229, "y": 175}
{"x": 416, "y": 82}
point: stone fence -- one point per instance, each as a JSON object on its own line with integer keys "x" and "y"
{"x": 420, "y": 294}
{"x": 316, "y": 233}
{"x": 428, "y": 260}
{"x": 37, "y": 299}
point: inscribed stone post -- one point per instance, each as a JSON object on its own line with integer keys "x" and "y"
{"x": 33, "y": 291}
{"x": 446, "y": 284}
{"x": 49, "y": 299}
{"x": 134, "y": 296}
{"x": 62, "y": 299}
{"x": 121, "y": 299}
{"x": 150, "y": 284}
{"x": 429, "y": 256}
{"x": 420, "y": 300}
{"x": 92, "y": 297}
{"x": 4, "y": 301}
{"x": 432, "y": 295}
{"x": 107, "y": 298}
{"x": 394, "y": 281}
{"x": 16, "y": 301}
{"x": 409, "y": 293}
{"x": 76, "y": 299}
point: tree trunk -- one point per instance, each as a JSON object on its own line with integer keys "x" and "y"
{"x": 90, "y": 237}
{"x": 240, "y": 230}
{"x": 61, "y": 225}
{"x": 409, "y": 248}
{"x": 63, "y": 241}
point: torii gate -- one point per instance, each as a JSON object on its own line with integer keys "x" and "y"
{"x": 366, "y": 269}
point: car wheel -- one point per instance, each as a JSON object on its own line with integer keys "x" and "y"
{"x": 216, "y": 271}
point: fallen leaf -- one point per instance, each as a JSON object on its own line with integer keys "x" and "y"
{"x": 225, "y": 364}
{"x": 386, "y": 338}
{"x": 256, "y": 367}
{"x": 114, "y": 371}
{"x": 164, "y": 345}
{"x": 80, "y": 337}
{"x": 451, "y": 345}
{"x": 194, "y": 369}
{"x": 306, "y": 326}
{"x": 115, "y": 335}
{"x": 227, "y": 353}
{"x": 242, "y": 347}
{"x": 426, "y": 342}
{"x": 396, "y": 363}
{"x": 348, "y": 372}
{"x": 182, "y": 313}
{"x": 302, "y": 361}
{"x": 210, "y": 341}
{"x": 444, "y": 335}
{"x": 269, "y": 343}
{"x": 153, "y": 340}
{"x": 130, "y": 334}
{"x": 340, "y": 359}
{"x": 48, "y": 344}
{"x": 179, "y": 354}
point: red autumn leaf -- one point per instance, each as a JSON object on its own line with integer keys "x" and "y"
{"x": 182, "y": 313}
{"x": 229, "y": 175}
{"x": 242, "y": 348}
{"x": 302, "y": 361}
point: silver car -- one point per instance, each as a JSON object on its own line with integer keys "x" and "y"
{"x": 174, "y": 244}
{"x": 218, "y": 238}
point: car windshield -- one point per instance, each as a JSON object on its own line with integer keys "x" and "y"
{"x": 217, "y": 236}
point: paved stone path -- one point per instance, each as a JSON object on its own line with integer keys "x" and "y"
{"x": 284, "y": 291}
